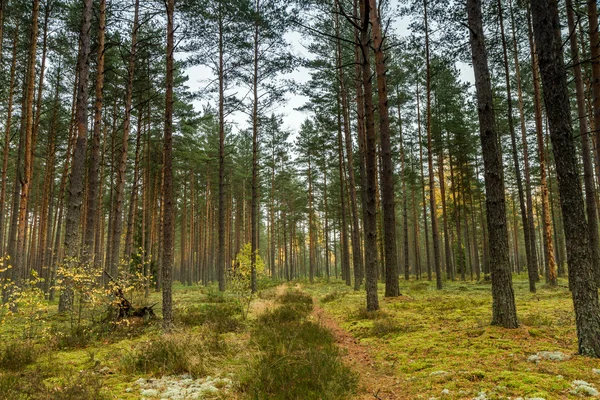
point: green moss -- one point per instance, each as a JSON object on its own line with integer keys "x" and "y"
{"x": 454, "y": 335}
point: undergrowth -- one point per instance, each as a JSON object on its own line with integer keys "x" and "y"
{"x": 221, "y": 317}
{"x": 297, "y": 358}
{"x": 172, "y": 354}
{"x": 45, "y": 385}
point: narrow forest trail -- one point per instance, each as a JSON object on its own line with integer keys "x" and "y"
{"x": 373, "y": 383}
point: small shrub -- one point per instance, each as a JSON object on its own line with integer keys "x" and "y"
{"x": 76, "y": 338}
{"x": 15, "y": 357}
{"x": 314, "y": 374}
{"x": 282, "y": 315}
{"x": 221, "y": 317}
{"x": 298, "y": 358}
{"x": 84, "y": 385}
{"x": 297, "y": 298}
{"x": 537, "y": 319}
{"x": 170, "y": 354}
{"x": 11, "y": 386}
{"x": 474, "y": 376}
{"x": 31, "y": 386}
{"x": 387, "y": 327}
{"x": 267, "y": 294}
{"x": 213, "y": 295}
{"x": 363, "y": 313}
{"x": 419, "y": 287}
{"x": 332, "y": 296}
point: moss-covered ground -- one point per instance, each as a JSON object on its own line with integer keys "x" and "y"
{"x": 430, "y": 343}
{"x": 431, "y": 340}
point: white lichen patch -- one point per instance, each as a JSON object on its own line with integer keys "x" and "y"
{"x": 582, "y": 388}
{"x": 548, "y": 355}
{"x": 439, "y": 373}
{"x": 481, "y": 396}
{"x": 183, "y": 387}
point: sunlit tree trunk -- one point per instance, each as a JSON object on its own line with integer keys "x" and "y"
{"x": 28, "y": 150}
{"x": 7, "y": 131}
{"x": 425, "y": 224}
{"x": 432, "y": 198}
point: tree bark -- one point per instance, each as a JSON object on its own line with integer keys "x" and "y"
{"x": 133, "y": 197}
{"x": 117, "y": 215}
{"x": 6, "y": 147}
{"x": 432, "y": 201}
{"x": 48, "y": 185}
{"x": 392, "y": 288}
{"x": 94, "y": 163}
{"x": 556, "y": 98}
{"x": 504, "y": 311}
{"x": 221, "y": 222}
{"x": 168, "y": 242}
{"x": 594, "y": 36}
{"x": 528, "y": 234}
{"x": 75, "y": 192}
{"x": 370, "y": 213}
{"x": 26, "y": 176}
{"x": 254, "y": 217}
{"x": 357, "y": 256}
{"x": 425, "y": 223}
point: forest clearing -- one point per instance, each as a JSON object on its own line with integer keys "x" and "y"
{"x": 299, "y": 199}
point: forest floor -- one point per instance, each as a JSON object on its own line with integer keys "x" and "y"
{"x": 425, "y": 344}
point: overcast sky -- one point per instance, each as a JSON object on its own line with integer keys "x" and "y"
{"x": 199, "y": 76}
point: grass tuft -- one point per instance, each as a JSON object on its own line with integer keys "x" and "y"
{"x": 333, "y": 296}
{"x": 16, "y": 356}
{"x": 176, "y": 353}
{"x": 298, "y": 358}
{"x": 221, "y": 317}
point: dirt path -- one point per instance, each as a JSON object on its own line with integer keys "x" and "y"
{"x": 373, "y": 383}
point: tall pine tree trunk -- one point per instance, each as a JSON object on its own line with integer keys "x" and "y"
{"x": 133, "y": 197}
{"x": 254, "y": 212}
{"x": 556, "y": 98}
{"x": 117, "y": 215}
{"x": 424, "y": 198}
{"x": 357, "y": 257}
{"x": 370, "y": 213}
{"x": 392, "y": 288}
{"x": 504, "y": 311}
{"x": 221, "y": 217}
{"x": 528, "y": 233}
{"x": 590, "y": 193}
{"x": 7, "y": 131}
{"x": 432, "y": 200}
{"x": 75, "y": 192}
{"x": 94, "y": 163}
{"x": 28, "y": 151}
{"x": 168, "y": 242}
